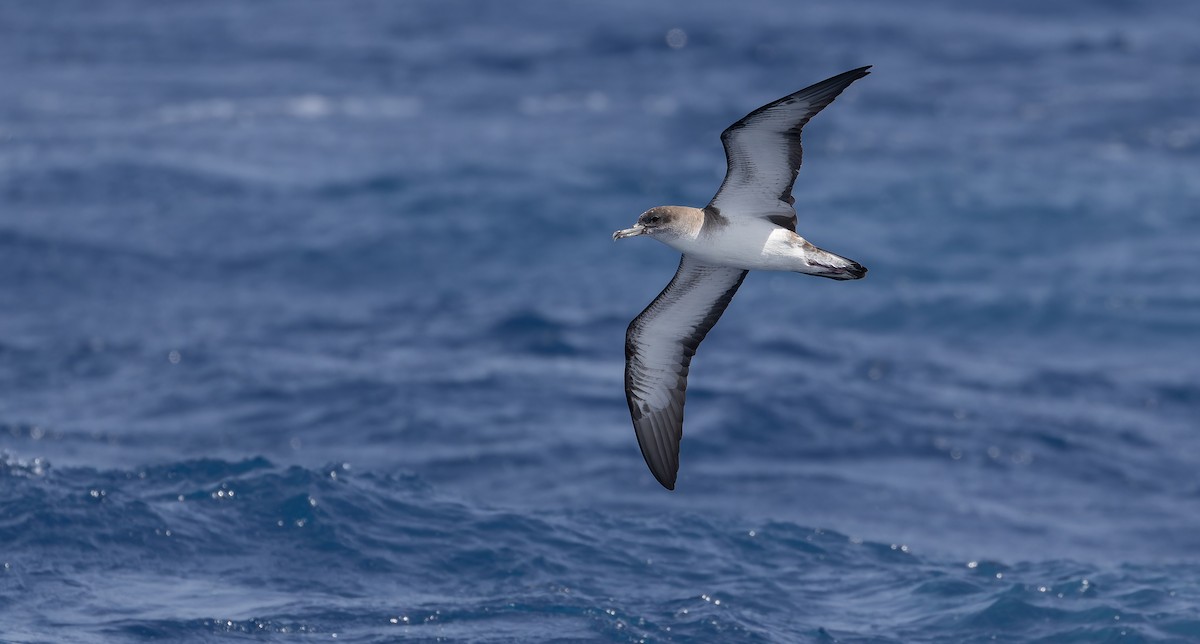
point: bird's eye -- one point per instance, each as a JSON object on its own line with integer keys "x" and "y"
{"x": 654, "y": 219}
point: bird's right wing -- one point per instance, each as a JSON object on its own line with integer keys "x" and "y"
{"x": 659, "y": 346}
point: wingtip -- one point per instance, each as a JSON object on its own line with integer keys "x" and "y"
{"x": 664, "y": 473}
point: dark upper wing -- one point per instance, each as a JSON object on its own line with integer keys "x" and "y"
{"x": 763, "y": 154}
{"x": 659, "y": 346}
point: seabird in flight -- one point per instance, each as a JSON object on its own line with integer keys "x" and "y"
{"x": 749, "y": 225}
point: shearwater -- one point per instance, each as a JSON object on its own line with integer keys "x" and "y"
{"x": 749, "y": 225}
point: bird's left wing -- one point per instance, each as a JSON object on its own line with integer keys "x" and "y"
{"x": 659, "y": 346}
{"x": 763, "y": 152}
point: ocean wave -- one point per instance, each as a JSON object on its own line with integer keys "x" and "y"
{"x": 366, "y": 554}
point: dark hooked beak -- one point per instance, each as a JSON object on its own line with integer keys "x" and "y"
{"x": 637, "y": 229}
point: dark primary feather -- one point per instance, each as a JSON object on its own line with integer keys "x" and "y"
{"x": 763, "y": 152}
{"x": 659, "y": 346}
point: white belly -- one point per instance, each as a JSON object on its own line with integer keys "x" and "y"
{"x": 750, "y": 246}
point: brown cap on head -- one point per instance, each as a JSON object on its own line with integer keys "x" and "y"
{"x": 669, "y": 221}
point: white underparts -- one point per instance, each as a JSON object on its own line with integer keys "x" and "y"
{"x": 757, "y": 245}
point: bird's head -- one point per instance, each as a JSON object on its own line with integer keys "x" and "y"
{"x": 663, "y": 222}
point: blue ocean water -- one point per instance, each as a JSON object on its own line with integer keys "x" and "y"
{"x": 311, "y": 328}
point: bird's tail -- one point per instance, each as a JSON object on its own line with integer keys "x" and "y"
{"x": 823, "y": 263}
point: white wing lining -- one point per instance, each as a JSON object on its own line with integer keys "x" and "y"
{"x": 659, "y": 346}
{"x": 763, "y": 152}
